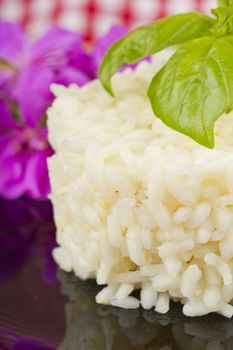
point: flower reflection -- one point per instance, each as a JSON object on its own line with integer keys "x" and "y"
{"x": 26, "y": 236}
{"x": 91, "y": 326}
{"x": 23, "y": 343}
{"x": 26, "y": 231}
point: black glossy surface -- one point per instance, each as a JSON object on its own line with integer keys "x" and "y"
{"x": 42, "y": 308}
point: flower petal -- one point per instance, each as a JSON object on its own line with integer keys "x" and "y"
{"x": 33, "y": 94}
{"x": 6, "y": 119}
{"x": 115, "y": 33}
{"x": 81, "y": 60}
{"x": 6, "y": 83}
{"x": 23, "y": 169}
{"x": 52, "y": 49}
{"x": 69, "y": 75}
{"x": 36, "y": 176}
{"x": 13, "y": 43}
{"x": 12, "y": 175}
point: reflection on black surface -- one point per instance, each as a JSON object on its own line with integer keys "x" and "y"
{"x": 33, "y": 307}
{"x": 91, "y": 326}
{"x": 26, "y": 231}
{"x": 29, "y": 290}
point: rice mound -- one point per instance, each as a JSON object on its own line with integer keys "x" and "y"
{"x": 138, "y": 205}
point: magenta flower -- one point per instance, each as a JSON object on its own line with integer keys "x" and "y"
{"x": 23, "y": 154}
{"x": 58, "y": 56}
{"x": 27, "y": 70}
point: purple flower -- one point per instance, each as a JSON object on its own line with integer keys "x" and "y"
{"x": 26, "y": 72}
{"x": 23, "y": 155}
{"x": 33, "y": 67}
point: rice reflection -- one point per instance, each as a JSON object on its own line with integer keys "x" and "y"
{"x": 96, "y": 327}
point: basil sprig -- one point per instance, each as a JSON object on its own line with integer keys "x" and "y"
{"x": 195, "y": 87}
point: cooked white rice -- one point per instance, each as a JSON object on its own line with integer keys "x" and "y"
{"x": 138, "y": 205}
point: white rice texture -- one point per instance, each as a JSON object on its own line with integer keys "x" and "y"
{"x": 138, "y": 205}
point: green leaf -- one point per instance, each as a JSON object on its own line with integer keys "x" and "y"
{"x": 195, "y": 88}
{"x": 224, "y": 23}
{"x": 225, "y": 3}
{"x": 150, "y": 39}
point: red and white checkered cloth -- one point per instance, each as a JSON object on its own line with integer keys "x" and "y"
{"x": 93, "y": 17}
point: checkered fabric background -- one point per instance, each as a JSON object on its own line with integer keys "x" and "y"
{"x": 92, "y": 17}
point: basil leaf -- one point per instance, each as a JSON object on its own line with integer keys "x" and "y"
{"x": 195, "y": 88}
{"x": 225, "y": 3}
{"x": 150, "y": 39}
{"x": 224, "y": 23}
